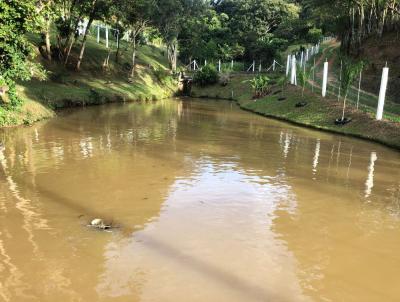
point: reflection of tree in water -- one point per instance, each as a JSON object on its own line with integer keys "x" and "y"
{"x": 17, "y": 160}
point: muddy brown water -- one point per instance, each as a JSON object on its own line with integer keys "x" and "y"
{"x": 212, "y": 204}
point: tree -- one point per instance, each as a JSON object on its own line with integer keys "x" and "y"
{"x": 172, "y": 17}
{"x": 96, "y": 9}
{"x": 356, "y": 20}
{"x": 253, "y": 23}
{"x": 47, "y": 12}
{"x": 137, "y": 17}
{"x": 303, "y": 76}
{"x": 350, "y": 72}
{"x": 18, "y": 17}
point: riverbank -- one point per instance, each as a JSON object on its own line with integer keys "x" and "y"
{"x": 319, "y": 113}
{"x": 94, "y": 84}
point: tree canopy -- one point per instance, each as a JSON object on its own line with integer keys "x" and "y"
{"x": 190, "y": 29}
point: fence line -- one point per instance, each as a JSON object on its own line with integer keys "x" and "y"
{"x": 326, "y": 82}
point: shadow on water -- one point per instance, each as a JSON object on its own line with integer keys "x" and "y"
{"x": 222, "y": 276}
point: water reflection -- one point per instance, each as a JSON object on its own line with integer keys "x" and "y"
{"x": 349, "y": 165}
{"x": 369, "y": 184}
{"x": 316, "y": 157}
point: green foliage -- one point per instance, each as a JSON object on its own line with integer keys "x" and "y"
{"x": 18, "y": 17}
{"x": 314, "y": 35}
{"x": 161, "y": 74}
{"x": 350, "y": 71}
{"x": 260, "y": 85}
{"x": 303, "y": 75}
{"x": 206, "y": 75}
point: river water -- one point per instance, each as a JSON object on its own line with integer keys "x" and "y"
{"x": 210, "y": 203}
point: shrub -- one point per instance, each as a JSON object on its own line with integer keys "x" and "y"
{"x": 260, "y": 84}
{"x": 207, "y": 75}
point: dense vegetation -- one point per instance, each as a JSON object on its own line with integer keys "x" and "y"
{"x": 189, "y": 29}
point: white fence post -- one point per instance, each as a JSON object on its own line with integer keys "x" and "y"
{"x": 288, "y": 65}
{"x": 273, "y": 65}
{"x": 98, "y": 33}
{"x": 325, "y": 79}
{"x": 259, "y": 68}
{"x": 382, "y": 93}
{"x": 205, "y": 62}
{"x": 106, "y": 36}
{"x": 219, "y": 65}
{"x": 293, "y": 79}
{"x": 118, "y": 39}
{"x": 232, "y": 64}
{"x": 254, "y": 66}
{"x": 313, "y": 77}
{"x": 301, "y": 59}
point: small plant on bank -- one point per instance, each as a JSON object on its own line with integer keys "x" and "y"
{"x": 206, "y": 75}
{"x": 282, "y": 82}
{"x": 303, "y": 76}
{"x": 260, "y": 85}
{"x": 350, "y": 72}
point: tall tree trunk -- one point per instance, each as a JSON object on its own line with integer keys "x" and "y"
{"x": 117, "y": 51}
{"x": 382, "y": 22}
{"x": 82, "y": 51}
{"x": 173, "y": 55}
{"x": 70, "y": 34}
{"x": 133, "y": 58}
{"x": 47, "y": 39}
{"x": 106, "y": 60}
{"x": 67, "y": 52}
{"x": 344, "y": 105}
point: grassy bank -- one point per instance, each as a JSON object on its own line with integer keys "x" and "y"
{"x": 93, "y": 84}
{"x": 319, "y": 113}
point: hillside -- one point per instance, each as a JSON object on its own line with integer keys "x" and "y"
{"x": 377, "y": 52}
{"x": 93, "y": 84}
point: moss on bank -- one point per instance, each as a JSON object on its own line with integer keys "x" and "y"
{"x": 93, "y": 84}
{"x": 319, "y": 113}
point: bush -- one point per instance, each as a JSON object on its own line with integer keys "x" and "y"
{"x": 207, "y": 75}
{"x": 260, "y": 84}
